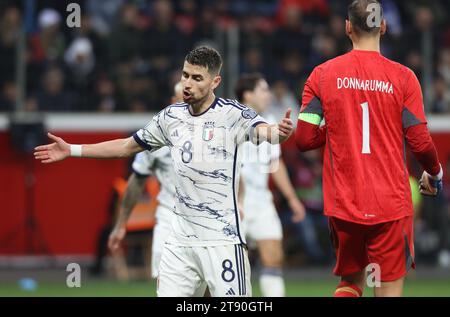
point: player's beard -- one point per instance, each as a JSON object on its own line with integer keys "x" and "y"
{"x": 196, "y": 103}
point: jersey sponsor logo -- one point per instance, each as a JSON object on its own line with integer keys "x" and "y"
{"x": 365, "y": 85}
{"x": 208, "y": 131}
{"x": 249, "y": 114}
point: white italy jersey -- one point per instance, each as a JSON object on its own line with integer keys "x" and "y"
{"x": 159, "y": 164}
{"x": 206, "y": 151}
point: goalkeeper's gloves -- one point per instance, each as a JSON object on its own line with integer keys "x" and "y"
{"x": 431, "y": 185}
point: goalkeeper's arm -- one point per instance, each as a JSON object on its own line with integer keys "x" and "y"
{"x": 309, "y": 134}
{"x": 422, "y": 146}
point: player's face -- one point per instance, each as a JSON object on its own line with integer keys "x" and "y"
{"x": 198, "y": 84}
{"x": 262, "y": 97}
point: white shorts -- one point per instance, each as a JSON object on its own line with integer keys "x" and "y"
{"x": 261, "y": 221}
{"x": 187, "y": 271}
{"x": 161, "y": 231}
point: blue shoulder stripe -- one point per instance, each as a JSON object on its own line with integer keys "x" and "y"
{"x": 231, "y": 103}
{"x": 142, "y": 143}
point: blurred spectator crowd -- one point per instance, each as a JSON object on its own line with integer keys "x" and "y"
{"x": 127, "y": 55}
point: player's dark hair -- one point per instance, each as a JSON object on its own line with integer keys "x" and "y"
{"x": 358, "y": 15}
{"x": 247, "y": 82}
{"x": 206, "y": 57}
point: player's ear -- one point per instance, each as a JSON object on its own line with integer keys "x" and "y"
{"x": 348, "y": 28}
{"x": 216, "y": 81}
{"x": 383, "y": 27}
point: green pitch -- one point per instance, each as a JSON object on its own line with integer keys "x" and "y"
{"x": 305, "y": 288}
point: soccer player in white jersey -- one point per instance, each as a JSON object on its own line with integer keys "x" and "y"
{"x": 261, "y": 222}
{"x": 158, "y": 163}
{"x": 205, "y": 133}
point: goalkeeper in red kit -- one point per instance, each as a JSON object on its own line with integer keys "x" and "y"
{"x": 371, "y": 106}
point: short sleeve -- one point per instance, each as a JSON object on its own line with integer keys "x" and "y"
{"x": 153, "y": 136}
{"x": 413, "y": 107}
{"x": 311, "y": 110}
{"x": 245, "y": 124}
{"x": 143, "y": 163}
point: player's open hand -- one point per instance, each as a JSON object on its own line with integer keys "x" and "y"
{"x": 115, "y": 239}
{"x": 298, "y": 210}
{"x": 429, "y": 186}
{"x": 285, "y": 127}
{"x": 50, "y": 153}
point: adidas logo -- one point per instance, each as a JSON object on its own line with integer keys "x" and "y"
{"x": 230, "y": 292}
{"x": 175, "y": 134}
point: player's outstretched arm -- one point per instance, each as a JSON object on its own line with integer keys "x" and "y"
{"x": 276, "y": 133}
{"x": 60, "y": 150}
{"x": 134, "y": 190}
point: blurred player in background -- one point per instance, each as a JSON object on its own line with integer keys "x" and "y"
{"x": 370, "y": 105}
{"x": 261, "y": 221}
{"x": 204, "y": 134}
{"x": 158, "y": 163}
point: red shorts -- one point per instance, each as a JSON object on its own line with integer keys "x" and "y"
{"x": 390, "y": 245}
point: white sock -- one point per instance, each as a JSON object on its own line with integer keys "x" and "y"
{"x": 271, "y": 282}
